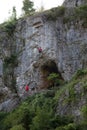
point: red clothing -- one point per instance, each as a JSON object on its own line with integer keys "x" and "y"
{"x": 40, "y": 49}
{"x": 27, "y": 88}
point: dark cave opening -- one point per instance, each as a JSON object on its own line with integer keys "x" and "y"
{"x": 48, "y": 68}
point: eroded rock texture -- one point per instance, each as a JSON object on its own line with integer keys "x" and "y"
{"x": 64, "y": 51}
{"x": 74, "y": 3}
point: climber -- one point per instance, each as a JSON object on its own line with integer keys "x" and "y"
{"x": 39, "y": 49}
{"x": 26, "y": 88}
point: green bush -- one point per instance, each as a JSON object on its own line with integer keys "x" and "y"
{"x": 2, "y": 117}
{"x": 80, "y": 73}
{"x": 75, "y": 15}
{"x": 19, "y": 116}
{"x": 36, "y": 113}
{"x": 82, "y": 126}
{"x": 9, "y": 26}
{"x": 18, "y": 127}
{"x": 55, "y": 79}
{"x": 82, "y": 11}
{"x": 70, "y": 126}
{"x": 82, "y": 14}
{"x": 59, "y": 128}
{"x": 84, "y": 112}
{"x": 42, "y": 119}
{"x": 54, "y": 13}
{"x": 12, "y": 61}
{"x": 28, "y": 111}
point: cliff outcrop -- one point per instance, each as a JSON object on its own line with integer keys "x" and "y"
{"x": 74, "y": 3}
{"x": 60, "y": 32}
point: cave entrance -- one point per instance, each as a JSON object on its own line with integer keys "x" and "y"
{"x": 48, "y": 68}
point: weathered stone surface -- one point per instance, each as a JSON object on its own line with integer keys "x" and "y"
{"x": 9, "y": 105}
{"x": 61, "y": 44}
{"x": 72, "y": 106}
{"x": 29, "y": 70}
{"x": 8, "y": 100}
{"x": 1, "y": 67}
{"x": 64, "y": 47}
{"x": 74, "y": 3}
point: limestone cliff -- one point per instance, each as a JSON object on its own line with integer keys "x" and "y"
{"x": 74, "y": 3}
{"x": 61, "y": 34}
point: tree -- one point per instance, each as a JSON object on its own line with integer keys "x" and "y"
{"x": 28, "y": 7}
{"x": 41, "y": 9}
{"x": 10, "y": 24}
{"x": 14, "y": 13}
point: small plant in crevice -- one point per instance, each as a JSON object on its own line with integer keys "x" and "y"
{"x": 55, "y": 79}
{"x": 79, "y": 74}
{"x": 72, "y": 96}
{"x": 11, "y": 61}
{"x": 85, "y": 87}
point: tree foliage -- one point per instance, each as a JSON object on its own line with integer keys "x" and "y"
{"x": 10, "y": 24}
{"x": 28, "y": 7}
{"x": 55, "y": 79}
{"x": 14, "y": 13}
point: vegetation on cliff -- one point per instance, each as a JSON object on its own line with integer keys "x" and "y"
{"x": 39, "y": 111}
{"x": 68, "y": 15}
{"x": 43, "y": 110}
{"x": 28, "y": 7}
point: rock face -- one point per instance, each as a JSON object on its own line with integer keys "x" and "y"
{"x": 68, "y": 106}
{"x": 8, "y": 96}
{"x": 64, "y": 51}
{"x": 34, "y": 66}
{"x": 63, "y": 48}
{"x": 74, "y": 3}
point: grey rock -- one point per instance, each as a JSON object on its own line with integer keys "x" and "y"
{"x": 64, "y": 50}
{"x": 9, "y": 104}
{"x": 74, "y": 3}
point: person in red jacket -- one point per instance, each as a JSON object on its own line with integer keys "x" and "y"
{"x": 26, "y": 88}
{"x": 39, "y": 49}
